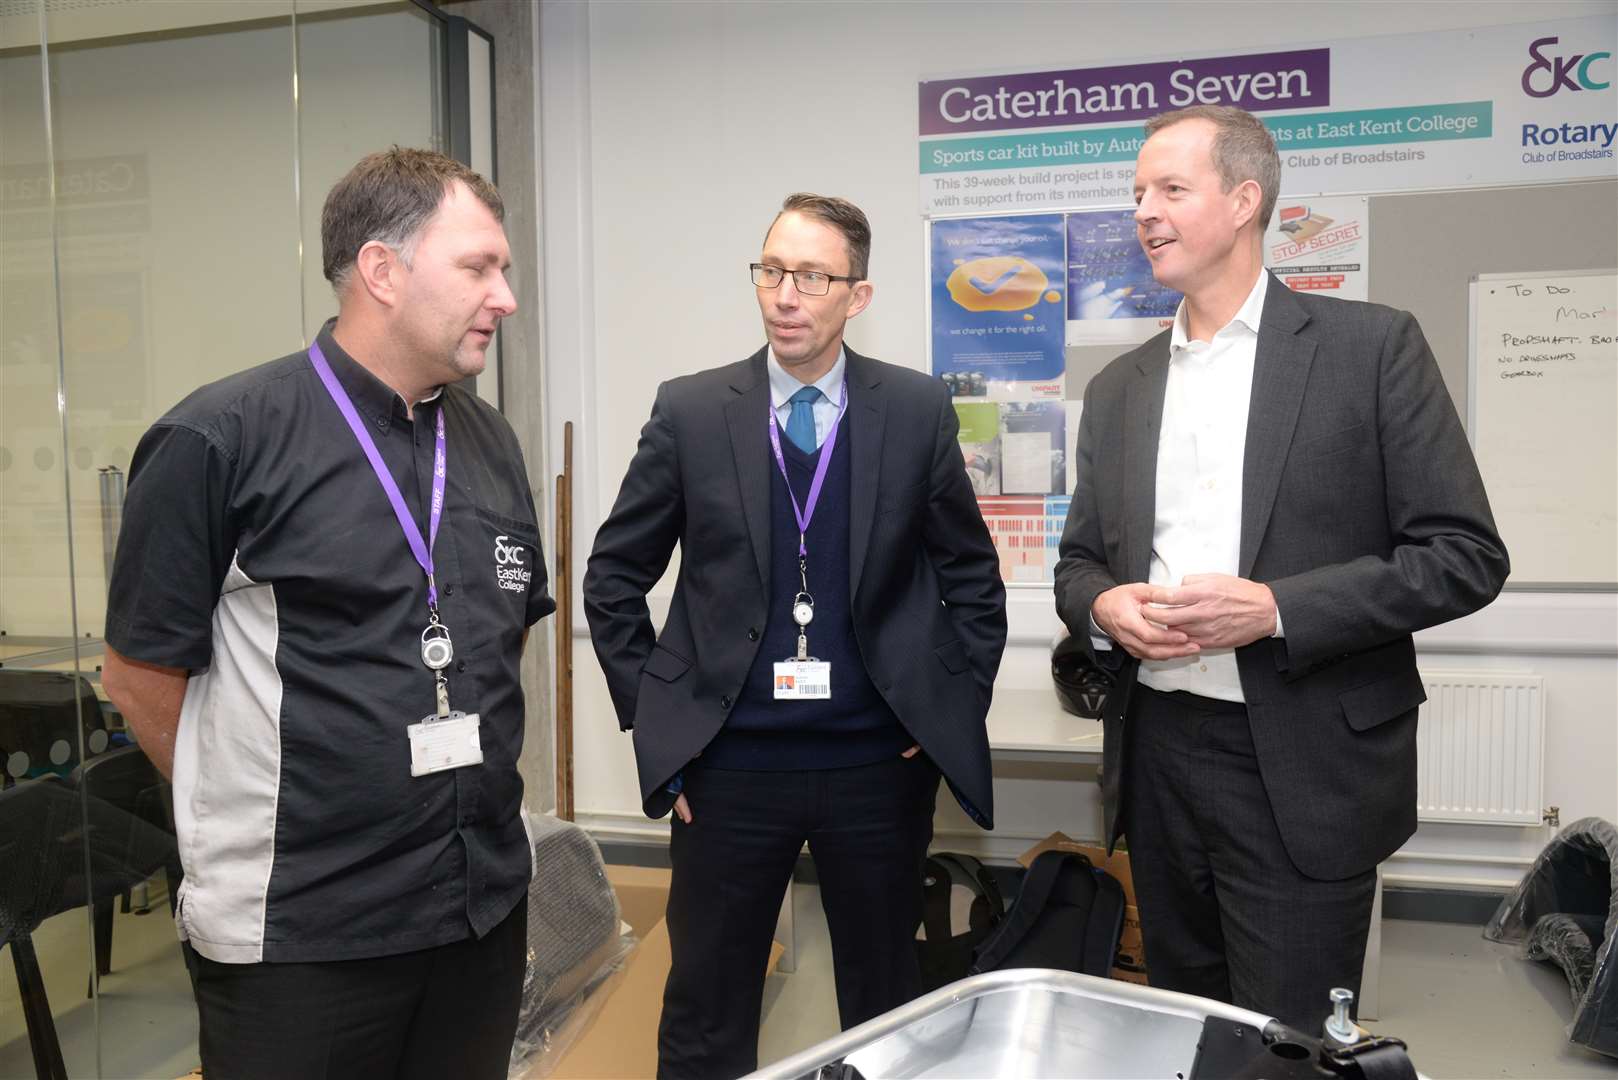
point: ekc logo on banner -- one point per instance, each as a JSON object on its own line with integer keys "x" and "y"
{"x": 1565, "y": 72}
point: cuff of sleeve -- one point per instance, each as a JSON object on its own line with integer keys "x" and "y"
{"x": 1279, "y": 632}
{"x": 1099, "y": 638}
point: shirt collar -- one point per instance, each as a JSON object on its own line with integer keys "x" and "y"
{"x": 1248, "y": 315}
{"x": 370, "y": 395}
{"x": 783, "y": 385}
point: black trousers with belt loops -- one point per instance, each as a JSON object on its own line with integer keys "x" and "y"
{"x": 449, "y": 1011}
{"x": 867, "y": 829}
{"x": 1224, "y": 913}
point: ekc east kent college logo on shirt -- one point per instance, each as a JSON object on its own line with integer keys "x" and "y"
{"x": 509, "y": 572}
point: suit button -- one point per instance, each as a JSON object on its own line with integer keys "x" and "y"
{"x": 460, "y": 665}
{"x": 752, "y": 633}
{"x": 725, "y": 703}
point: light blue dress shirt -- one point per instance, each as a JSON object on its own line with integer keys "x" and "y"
{"x": 784, "y": 385}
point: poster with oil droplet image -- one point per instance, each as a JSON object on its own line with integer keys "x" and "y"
{"x": 999, "y": 287}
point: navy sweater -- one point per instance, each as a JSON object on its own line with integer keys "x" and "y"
{"x": 854, "y": 726}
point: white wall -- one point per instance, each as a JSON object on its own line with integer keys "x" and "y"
{"x": 670, "y": 132}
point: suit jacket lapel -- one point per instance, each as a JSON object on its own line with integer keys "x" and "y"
{"x": 862, "y": 429}
{"x": 1280, "y": 374}
{"x": 1143, "y": 422}
{"x": 746, "y": 414}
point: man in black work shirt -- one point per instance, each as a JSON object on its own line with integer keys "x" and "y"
{"x": 296, "y": 645}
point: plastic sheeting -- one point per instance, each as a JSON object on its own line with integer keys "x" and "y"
{"x": 576, "y": 940}
{"x": 1565, "y": 910}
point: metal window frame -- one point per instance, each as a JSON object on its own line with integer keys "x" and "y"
{"x": 456, "y": 102}
{"x": 457, "y": 97}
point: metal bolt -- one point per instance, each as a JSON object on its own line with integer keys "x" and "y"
{"x": 1340, "y": 1027}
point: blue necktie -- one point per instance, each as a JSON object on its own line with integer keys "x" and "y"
{"x": 801, "y": 424}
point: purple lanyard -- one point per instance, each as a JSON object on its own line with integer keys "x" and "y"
{"x": 422, "y": 550}
{"x": 808, "y": 511}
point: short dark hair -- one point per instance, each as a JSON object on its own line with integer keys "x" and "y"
{"x": 390, "y": 196}
{"x": 841, "y": 215}
{"x": 1243, "y": 149}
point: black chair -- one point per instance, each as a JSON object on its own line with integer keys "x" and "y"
{"x": 63, "y": 847}
{"x": 40, "y": 713}
{"x": 125, "y": 778}
{"x": 33, "y": 816}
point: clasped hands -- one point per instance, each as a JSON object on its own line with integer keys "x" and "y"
{"x": 1205, "y": 611}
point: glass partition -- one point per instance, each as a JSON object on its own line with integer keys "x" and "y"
{"x": 44, "y": 920}
{"x": 162, "y": 170}
{"x": 366, "y": 79}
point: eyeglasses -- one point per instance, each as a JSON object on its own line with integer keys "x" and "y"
{"x": 808, "y": 282}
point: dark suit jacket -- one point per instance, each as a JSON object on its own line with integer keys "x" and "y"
{"x": 1362, "y": 509}
{"x": 927, "y": 600}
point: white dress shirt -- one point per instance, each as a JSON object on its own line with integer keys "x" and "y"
{"x": 830, "y": 385}
{"x": 1202, "y": 441}
{"x": 1200, "y": 450}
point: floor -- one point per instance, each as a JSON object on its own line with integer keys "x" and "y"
{"x": 148, "y": 1020}
{"x": 1468, "y": 1008}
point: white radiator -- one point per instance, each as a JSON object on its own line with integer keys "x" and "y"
{"x": 1481, "y": 749}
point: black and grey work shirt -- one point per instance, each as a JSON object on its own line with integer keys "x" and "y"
{"x": 260, "y": 552}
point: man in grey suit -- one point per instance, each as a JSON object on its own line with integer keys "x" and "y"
{"x": 1271, "y": 498}
{"x": 829, "y": 651}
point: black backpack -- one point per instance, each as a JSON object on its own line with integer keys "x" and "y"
{"x": 1066, "y": 915}
{"x": 949, "y": 883}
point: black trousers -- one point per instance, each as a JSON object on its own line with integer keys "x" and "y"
{"x": 441, "y": 1012}
{"x": 867, "y": 829}
{"x": 1224, "y": 913}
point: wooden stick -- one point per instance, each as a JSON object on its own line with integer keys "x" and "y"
{"x": 564, "y": 629}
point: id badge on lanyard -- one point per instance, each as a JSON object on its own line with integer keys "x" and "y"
{"x": 804, "y": 677}
{"x": 446, "y": 738}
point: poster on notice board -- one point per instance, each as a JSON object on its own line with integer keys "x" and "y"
{"x": 1017, "y": 456}
{"x": 1112, "y": 297}
{"x": 1321, "y": 244}
{"x": 1014, "y": 447}
{"x": 1026, "y": 530}
{"x": 998, "y": 286}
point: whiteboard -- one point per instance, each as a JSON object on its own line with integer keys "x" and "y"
{"x": 1543, "y": 419}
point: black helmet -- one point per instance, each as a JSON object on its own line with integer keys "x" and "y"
{"x": 1081, "y": 686}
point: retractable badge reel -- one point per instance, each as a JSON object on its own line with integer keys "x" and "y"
{"x": 803, "y": 610}
{"x": 802, "y": 677}
{"x": 437, "y": 650}
{"x": 447, "y": 739}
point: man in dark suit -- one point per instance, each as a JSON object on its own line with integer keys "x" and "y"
{"x": 1271, "y": 498}
{"x": 830, "y": 649}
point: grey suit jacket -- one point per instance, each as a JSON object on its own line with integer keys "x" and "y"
{"x": 924, "y": 580}
{"x": 1362, "y": 509}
